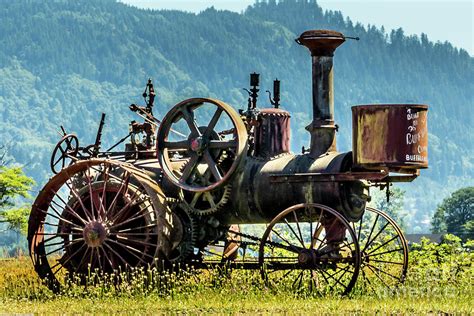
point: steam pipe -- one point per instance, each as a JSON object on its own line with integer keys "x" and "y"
{"x": 322, "y": 44}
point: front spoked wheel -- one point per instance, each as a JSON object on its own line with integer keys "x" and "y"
{"x": 310, "y": 248}
{"x": 384, "y": 251}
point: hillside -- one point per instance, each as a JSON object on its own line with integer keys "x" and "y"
{"x": 64, "y": 62}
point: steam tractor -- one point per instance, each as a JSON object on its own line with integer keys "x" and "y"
{"x": 209, "y": 186}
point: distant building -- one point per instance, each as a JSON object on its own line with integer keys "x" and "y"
{"x": 416, "y": 238}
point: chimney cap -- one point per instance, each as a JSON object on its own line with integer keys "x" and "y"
{"x": 321, "y": 42}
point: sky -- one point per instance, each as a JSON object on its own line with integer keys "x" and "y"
{"x": 441, "y": 20}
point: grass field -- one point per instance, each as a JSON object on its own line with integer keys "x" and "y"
{"x": 440, "y": 280}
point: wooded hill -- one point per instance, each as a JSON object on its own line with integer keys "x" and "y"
{"x": 64, "y": 62}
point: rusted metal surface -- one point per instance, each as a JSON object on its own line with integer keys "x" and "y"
{"x": 330, "y": 177}
{"x": 192, "y": 193}
{"x": 200, "y": 145}
{"x": 111, "y": 219}
{"x": 390, "y": 135}
{"x": 322, "y": 44}
{"x": 255, "y": 189}
{"x": 272, "y": 134}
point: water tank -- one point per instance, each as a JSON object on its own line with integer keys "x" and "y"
{"x": 390, "y": 135}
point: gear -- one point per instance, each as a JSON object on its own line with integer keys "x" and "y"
{"x": 208, "y": 202}
{"x": 205, "y": 203}
{"x": 184, "y": 235}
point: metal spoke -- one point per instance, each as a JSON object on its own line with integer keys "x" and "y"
{"x": 387, "y": 262}
{"x": 68, "y": 207}
{"x": 345, "y": 271}
{"x": 54, "y": 250}
{"x": 294, "y": 233}
{"x": 57, "y": 225}
{"x": 329, "y": 275}
{"x": 195, "y": 198}
{"x": 367, "y": 279}
{"x": 127, "y": 206}
{"x": 47, "y": 239}
{"x": 222, "y": 144}
{"x": 135, "y": 228}
{"x": 57, "y": 234}
{"x": 369, "y": 242}
{"x": 62, "y": 263}
{"x": 59, "y": 218}
{"x": 107, "y": 257}
{"x": 339, "y": 247}
{"x": 282, "y": 277}
{"x": 210, "y": 199}
{"x": 98, "y": 259}
{"x": 380, "y": 270}
{"x": 297, "y": 278}
{"x": 127, "y": 247}
{"x": 62, "y": 242}
{"x": 103, "y": 200}
{"x": 212, "y": 165}
{"x": 378, "y": 276}
{"x": 373, "y": 227}
{"x": 190, "y": 166}
{"x": 123, "y": 184}
{"x": 133, "y": 218}
{"x": 212, "y": 124}
{"x": 282, "y": 238}
{"x": 76, "y": 195}
{"x": 89, "y": 185}
{"x": 136, "y": 241}
{"x": 384, "y": 244}
{"x": 189, "y": 118}
{"x": 84, "y": 256}
{"x": 370, "y": 254}
{"x": 360, "y": 230}
{"x": 116, "y": 253}
{"x": 133, "y": 234}
{"x": 184, "y": 144}
{"x": 58, "y": 160}
{"x": 298, "y": 226}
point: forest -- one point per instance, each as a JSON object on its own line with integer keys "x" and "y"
{"x": 64, "y": 62}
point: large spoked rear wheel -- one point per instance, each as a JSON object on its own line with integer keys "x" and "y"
{"x": 91, "y": 218}
{"x": 384, "y": 251}
{"x": 310, "y": 248}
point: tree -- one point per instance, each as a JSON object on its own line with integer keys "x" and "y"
{"x": 14, "y": 184}
{"x": 394, "y": 206}
{"x": 455, "y": 214}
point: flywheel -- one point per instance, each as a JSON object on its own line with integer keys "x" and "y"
{"x": 195, "y": 132}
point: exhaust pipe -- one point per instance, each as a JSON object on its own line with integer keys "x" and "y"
{"x": 322, "y": 44}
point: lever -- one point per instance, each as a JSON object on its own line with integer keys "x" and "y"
{"x": 276, "y": 94}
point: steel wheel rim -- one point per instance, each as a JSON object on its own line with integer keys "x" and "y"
{"x": 312, "y": 277}
{"x": 384, "y": 251}
{"x": 70, "y": 237}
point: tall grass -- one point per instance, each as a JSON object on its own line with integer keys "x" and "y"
{"x": 440, "y": 279}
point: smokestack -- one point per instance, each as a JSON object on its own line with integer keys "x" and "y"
{"x": 322, "y": 44}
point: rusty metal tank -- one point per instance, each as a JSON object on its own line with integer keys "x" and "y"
{"x": 394, "y": 136}
{"x": 263, "y": 188}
